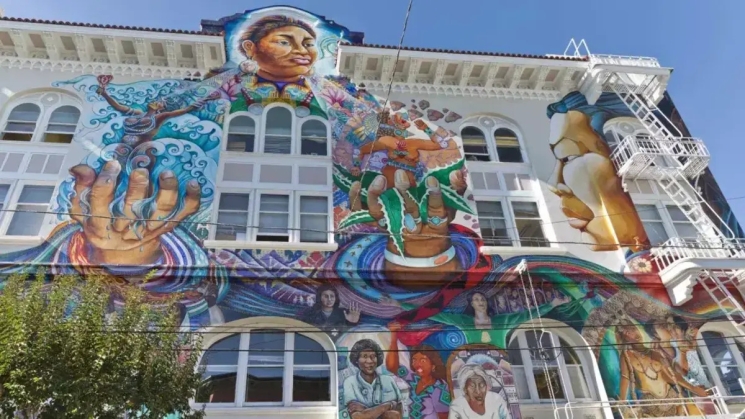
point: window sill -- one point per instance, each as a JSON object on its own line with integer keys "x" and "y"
{"x": 35, "y": 144}
{"x": 524, "y": 250}
{"x": 21, "y": 240}
{"x": 265, "y": 412}
{"x": 265, "y": 156}
{"x": 230, "y": 244}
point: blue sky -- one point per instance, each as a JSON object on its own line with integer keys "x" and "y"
{"x": 702, "y": 40}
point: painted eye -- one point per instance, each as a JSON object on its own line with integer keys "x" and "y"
{"x": 567, "y": 159}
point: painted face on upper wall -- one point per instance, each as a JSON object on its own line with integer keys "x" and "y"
{"x": 585, "y": 179}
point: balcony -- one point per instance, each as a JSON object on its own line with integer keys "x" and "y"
{"x": 624, "y": 60}
{"x": 680, "y": 261}
{"x": 649, "y": 157}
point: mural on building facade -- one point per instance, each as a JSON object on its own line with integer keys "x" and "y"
{"x": 137, "y": 209}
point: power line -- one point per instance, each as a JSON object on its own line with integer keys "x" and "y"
{"x": 358, "y": 233}
{"x": 390, "y": 83}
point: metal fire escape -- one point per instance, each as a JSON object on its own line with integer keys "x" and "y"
{"x": 716, "y": 258}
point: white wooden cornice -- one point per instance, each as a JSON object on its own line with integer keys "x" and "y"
{"x": 142, "y": 71}
{"x": 463, "y": 91}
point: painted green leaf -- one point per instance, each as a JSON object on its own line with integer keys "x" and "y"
{"x": 393, "y": 210}
{"x": 423, "y": 205}
{"x": 357, "y": 217}
{"x": 453, "y": 200}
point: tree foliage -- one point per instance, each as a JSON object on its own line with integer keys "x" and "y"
{"x": 64, "y": 354}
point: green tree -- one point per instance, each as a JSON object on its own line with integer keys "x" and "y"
{"x": 62, "y": 354}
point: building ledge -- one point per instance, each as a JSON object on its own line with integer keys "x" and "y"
{"x": 682, "y": 275}
{"x": 309, "y": 247}
{"x": 510, "y": 251}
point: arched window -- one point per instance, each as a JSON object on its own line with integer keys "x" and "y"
{"x": 313, "y": 138}
{"x": 556, "y": 368}
{"x": 508, "y": 146}
{"x": 474, "y": 144}
{"x": 278, "y": 133}
{"x": 726, "y": 357}
{"x": 62, "y": 124}
{"x": 274, "y": 368}
{"x": 21, "y": 123}
{"x": 241, "y": 134}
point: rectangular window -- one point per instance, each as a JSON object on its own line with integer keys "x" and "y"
{"x": 545, "y": 365}
{"x": 653, "y": 224}
{"x": 232, "y": 217}
{"x": 266, "y": 360}
{"x": 493, "y": 223}
{"x": 274, "y": 218}
{"x": 241, "y": 134}
{"x": 3, "y": 194}
{"x": 27, "y": 219}
{"x": 314, "y": 219}
{"x": 682, "y": 225}
{"x": 528, "y": 224}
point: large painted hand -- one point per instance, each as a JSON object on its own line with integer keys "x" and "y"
{"x": 427, "y": 248}
{"x": 116, "y": 241}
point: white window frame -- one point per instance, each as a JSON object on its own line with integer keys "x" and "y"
{"x": 495, "y": 123}
{"x": 226, "y": 130}
{"x": 708, "y": 360}
{"x": 510, "y": 222}
{"x": 286, "y": 325}
{"x": 294, "y": 213}
{"x": 566, "y": 383}
{"x": 661, "y": 206}
{"x": 11, "y": 202}
{"x": 261, "y": 131}
{"x": 42, "y": 122}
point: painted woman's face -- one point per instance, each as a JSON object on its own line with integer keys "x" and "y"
{"x": 367, "y": 362}
{"x": 284, "y": 54}
{"x": 478, "y": 302}
{"x": 328, "y": 298}
{"x": 421, "y": 364}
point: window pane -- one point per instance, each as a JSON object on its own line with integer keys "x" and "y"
{"x": 311, "y": 385}
{"x": 542, "y": 383}
{"x": 242, "y": 125}
{"x": 58, "y": 138}
{"x": 525, "y": 209}
{"x": 314, "y": 138}
{"x": 314, "y": 204}
{"x": 570, "y": 357}
{"x": 68, "y": 115}
{"x": 508, "y": 147}
{"x": 273, "y": 223}
{"x": 217, "y": 387}
{"x": 313, "y": 228}
{"x": 514, "y": 353}
{"x": 278, "y": 136}
{"x": 726, "y": 365}
{"x": 3, "y": 194}
{"x": 531, "y": 233}
{"x": 241, "y": 134}
{"x": 648, "y": 213}
{"x": 655, "y": 231}
{"x": 275, "y": 203}
{"x": 231, "y": 226}
{"x": 234, "y": 201}
{"x": 309, "y": 352}
{"x": 474, "y": 144}
{"x": 578, "y": 382}
{"x": 26, "y": 223}
{"x": 686, "y": 230}
{"x": 548, "y": 352}
{"x": 240, "y": 142}
{"x": 224, "y": 352}
{"x": 266, "y": 348}
{"x": 20, "y": 127}
{"x": 676, "y": 214}
{"x": 36, "y": 194}
{"x": 25, "y": 112}
{"x": 489, "y": 209}
{"x": 264, "y": 384}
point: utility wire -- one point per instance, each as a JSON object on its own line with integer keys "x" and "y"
{"x": 390, "y": 83}
{"x": 365, "y": 233}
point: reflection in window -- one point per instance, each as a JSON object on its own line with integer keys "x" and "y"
{"x": 653, "y": 224}
{"x": 313, "y": 138}
{"x": 508, "y": 146}
{"x": 474, "y": 144}
{"x": 683, "y": 226}
{"x": 725, "y": 363}
{"x": 29, "y": 216}
{"x": 266, "y": 367}
{"x": 62, "y": 124}
{"x": 278, "y": 134}
{"x": 528, "y": 224}
{"x": 21, "y": 123}
{"x": 493, "y": 223}
{"x": 314, "y": 219}
{"x": 241, "y": 134}
{"x": 274, "y": 218}
{"x": 232, "y": 217}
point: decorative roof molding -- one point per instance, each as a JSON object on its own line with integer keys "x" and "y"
{"x": 466, "y": 52}
{"x": 467, "y": 91}
{"x": 100, "y": 68}
{"x": 97, "y": 25}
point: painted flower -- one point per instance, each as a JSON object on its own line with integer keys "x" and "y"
{"x": 641, "y": 265}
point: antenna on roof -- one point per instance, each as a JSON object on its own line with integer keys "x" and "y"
{"x": 577, "y": 48}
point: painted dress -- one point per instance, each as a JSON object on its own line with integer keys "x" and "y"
{"x": 427, "y": 404}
